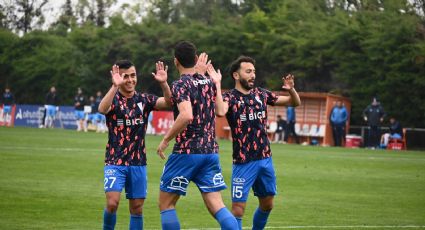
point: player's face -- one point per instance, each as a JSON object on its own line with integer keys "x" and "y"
{"x": 130, "y": 79}
{"x": 246, "y": 75}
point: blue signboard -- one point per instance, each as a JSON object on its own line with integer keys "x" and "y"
{"x": 32, "y": 116}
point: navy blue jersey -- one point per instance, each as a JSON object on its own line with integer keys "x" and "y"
{"x": 199, "y": 135}
{"x": 247, "y": 118}
{"x": 81, "y": 99}
{"x": 8, "y": 98}
{"x": 127, "y": 121}
{"x": 52, "y": 99}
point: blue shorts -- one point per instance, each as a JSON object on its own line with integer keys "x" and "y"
{"x": 7, "y": 109}
{"x": 258, "y": 174}
{"x": 134, "y": 178}
{"x": 79, "y": 114}
{"x": 203, "y": 169}
{"x": 50, "y": 110}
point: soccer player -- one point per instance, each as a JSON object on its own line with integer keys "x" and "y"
{"x": 8, "y": 101}
{"x": 195, "y": 153}
{"x": 127, "y": 113}
{"x": 52, "y": 102}
{"x": 245, "y": 108}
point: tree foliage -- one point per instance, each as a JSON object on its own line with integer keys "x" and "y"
{"x": 360, "y": 49}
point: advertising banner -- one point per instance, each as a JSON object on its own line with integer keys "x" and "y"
{"x": 33, "y": 115}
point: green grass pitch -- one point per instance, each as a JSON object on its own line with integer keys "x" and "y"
{"x": 53, "y": 179}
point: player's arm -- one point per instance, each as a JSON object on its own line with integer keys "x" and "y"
{"x": 293, "y": 99}
{"x": 161, "y": 76}
{"x": 183, "y": 119}
{"x": 117, "y": 80}
{"x": 221, "y": 107}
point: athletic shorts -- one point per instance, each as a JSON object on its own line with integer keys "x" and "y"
{"x": 258, "y": 175}
{"x": 79, "y": 114}
{"x": 133, "y": 178}
{"x": 203, "y": 169}
{"x": 51, "y": 110}
{"x": 7, "y": 109}
{"x": 100, "y": 117}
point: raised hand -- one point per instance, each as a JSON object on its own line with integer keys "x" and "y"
{"x": 117, "y": 79}
{"x": 202, "y": 63}
{"x": 288, "y": 82}
{"x": 161, "y": 72}
{"x": 215, "y": 75}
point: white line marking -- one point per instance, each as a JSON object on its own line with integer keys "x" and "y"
{"x": 319, "y": 227}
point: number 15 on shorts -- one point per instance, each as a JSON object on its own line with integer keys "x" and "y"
{"x": 237, "y": 191}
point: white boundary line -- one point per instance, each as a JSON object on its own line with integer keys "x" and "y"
{"x": 323, "y": 227}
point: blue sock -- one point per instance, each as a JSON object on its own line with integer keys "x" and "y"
{"x": 109, "y": 220}
{"x": 260, "y": 219}
{"x": 239, "y": 220}
{"x": 169, "y": 220}
{"x": 226, "y": 220}
{"x": 136, "y": 222}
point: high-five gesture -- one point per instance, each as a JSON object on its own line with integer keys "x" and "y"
{"x": 161, "y": 72}
{"x": 117, "y": 79}
{"x": 202, "y": 63}
{"x": 288, "y": 82}
{"x": 215, "y": 75}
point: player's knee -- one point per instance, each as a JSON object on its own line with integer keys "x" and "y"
{"x": 267, "y": 207}
{"x": 136, "y": 209}
{"x": 238, "y": 210}
{"x": 112, "y": 205}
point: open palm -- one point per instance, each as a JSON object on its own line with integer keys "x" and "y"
{"x": 117, "y": 79}
{"x": 161, "y": 72}
{"x": 288, "y": 82}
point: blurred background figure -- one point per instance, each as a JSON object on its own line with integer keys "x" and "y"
{"x": 395, "y": 132}
{"x": 8, "y": 100}
{"x": 338, "y": 119}
{"x": 374, "y": 116}
{"x": 280, "y": 131}
{"x": 290, "y": 126}
{"x": 79, "y": 102}
{"x": 100, "y": 118}
{"x": 51, "y": 107}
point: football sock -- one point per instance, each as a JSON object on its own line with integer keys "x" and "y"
{"x": 260, "y": 219}
{"x": 136, "y": 222}
{"x": 239, "y": 220}
{"x": 109, "y": 220}
{"x": 169, "y": 220}
{"x": 225, "y": 218}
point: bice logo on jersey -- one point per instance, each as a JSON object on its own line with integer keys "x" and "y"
{"x": 129, "y": 122}
{"x": 253, "y": 116}
{"x": 201, "y": 82}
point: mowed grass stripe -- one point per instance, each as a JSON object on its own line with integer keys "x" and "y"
{"x": 53, "y": 179}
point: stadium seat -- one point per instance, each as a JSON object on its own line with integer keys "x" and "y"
{"x": 298, "y": 129}
{"x": 313, "y": 130}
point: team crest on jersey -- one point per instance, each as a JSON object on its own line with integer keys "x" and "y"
{"x": 258, "y": 100}
{"x": 141, "y": 106}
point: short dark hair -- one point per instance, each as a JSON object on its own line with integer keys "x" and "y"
{"x": 124, "y": 64}
{"x": 185, "y": 52}
{"x": 236, "y": 64}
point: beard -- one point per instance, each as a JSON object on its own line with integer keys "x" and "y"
{"x": 246, "y": 85}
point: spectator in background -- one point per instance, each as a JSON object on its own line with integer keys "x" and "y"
{"x": 374, "y": 116}
{"x": 280, "y": 131}
{"x": 79, "y": 102}
{"x": 51, "y": 107}
{"x": 100, "y": 118}
{"x": 91, "y": 118}
{"x": 395, "y": 132}
{"x": 8, "y": 100}
{"x": 290, "y": 126}
{"x": 338, "y": 119}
